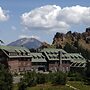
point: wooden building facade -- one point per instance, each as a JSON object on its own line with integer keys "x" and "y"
{"x": 78, "y": 62}
{"x": 39, "y": 62}
{"x": 17, "y": 59}
{"x": 57, "y": 59}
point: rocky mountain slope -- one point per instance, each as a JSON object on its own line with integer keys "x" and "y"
{"x": 74, "y": 42}
{"x": 83, "y": 39}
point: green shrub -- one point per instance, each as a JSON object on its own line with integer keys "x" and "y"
{"x": 22, "y": 85}
{"x": 41, "y": 78}
{"x": 6, "y": 80}
{"x": 29, "y": 79}
{"x": 75, "y": 76}
{"x": 87, "y": 73}
{"x": 49, "y": 77}
{"x": 59, "y": 78}
{"x": 72, "y": 79}
{"x": 32, "y": 78}
{"x": 86, "y": 80}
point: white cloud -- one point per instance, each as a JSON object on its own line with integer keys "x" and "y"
{"x": 75, "y": 15}
{"x": 3, "y": 15}
{"x": 52, "y": 17}
{"x": 26, "y": 36}
{"x": 44, "y": 18}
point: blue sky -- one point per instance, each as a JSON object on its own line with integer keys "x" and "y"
{"x": 42, "y": 18}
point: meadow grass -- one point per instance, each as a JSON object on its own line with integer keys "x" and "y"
{"x": 48, "y": 86}
{"x": 79, "y": 85}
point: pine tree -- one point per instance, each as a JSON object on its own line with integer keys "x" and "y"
{"x": 87, "y": 72}
{"x": 5, "y": 78}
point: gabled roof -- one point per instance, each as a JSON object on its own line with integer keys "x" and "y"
{"x": 76, "y": 57}
{"x": 77, "y": 60}
{"x": 13, "y": 48}
{"x": 53, "y": 54}
{"x": 13, "y": 51}
{"x": 7, "y": 48}
{"x": 52, "y": 50}
{"x": 38, "y": 57}
{"x": 75, "y": 64}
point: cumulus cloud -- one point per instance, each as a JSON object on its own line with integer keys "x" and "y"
{"x": 3, "y": 15}
{"x": 75, "y": 15}
{"x": 52, "y": 17}
{"x": 26, "y": 36}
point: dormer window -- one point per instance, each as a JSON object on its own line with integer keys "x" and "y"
{"x": 73, "y": 64}
{"x": 66, "y": 57}
{"x": 12, "y": 54}
{"x": 43, "y": 57}
{"x": 82, "y": 64}
{"x": 21, "y": 52}
{"x": 76, "y": 57}
{"x": 77, "y": 64}
{"x": 38, "y": 57}
{"x": 50, "y": 57}
{"x": 47, "y": 52}
{"x": 34, "y": 57}
{"x": 72, "y": 57}
{"x": 51, "y": 52}
{"x": 9, "y": 53}
{"x": 26, "y": 53}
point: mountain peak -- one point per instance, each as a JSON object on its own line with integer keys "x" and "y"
{"x": 27, "y": 42}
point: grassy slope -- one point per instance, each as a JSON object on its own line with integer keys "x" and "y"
{"x": 79, "y": 85}
{"x": 76, "y": 84}
{"x": 49, "y": 87}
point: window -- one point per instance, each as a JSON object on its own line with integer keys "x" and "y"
{"x": 72, "y": 57}
{"x": 12, "y": 53}
{"x": 55, "y": 52}
{"x": 34, "y": 57}
{"x": 38, "y": 57}
{"x": 52, "y": 62}
{"x": 34, "y": 63}
{"x": 50, "y": 57}
{"x": 66, "y": 57}
{"x": 51, "y": 52}
{"x": 77, "y": 64}
{"x": 73, "y": 64}
{"x": 47, "y": 52}
{"x": 82, "y": 64}
{"x": 21, "y": 52}
{"x": 54, "y": 57}
{"x": 76, "y": 57}
{"x": 43, "y": 57}
{"x": 64, "y": 62}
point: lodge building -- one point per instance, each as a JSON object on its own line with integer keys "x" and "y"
{"x": 20, "y": 59}
{"x": 15, "y": 58}
{"x": 54, "y": 56}
{"x": 38, "y": 62}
